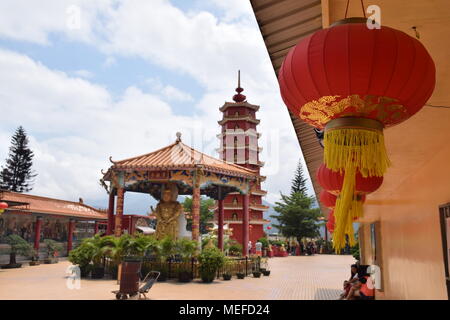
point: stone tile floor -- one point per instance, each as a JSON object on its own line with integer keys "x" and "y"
{"x": 317, "y": 277}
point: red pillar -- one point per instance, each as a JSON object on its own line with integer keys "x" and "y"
{"x": 119, "y": 212}
{"x": 110, "y": 225}
{"x": 196, "y": 212}
{"x": 245, "y": 226}
{"x": 220, "y": 224}
{"x": 70, "y": 229}
{"x": 95, "y": 227}
{"x": 37, "y": 233}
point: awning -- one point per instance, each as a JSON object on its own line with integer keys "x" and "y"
{"x": 146, "y": 230}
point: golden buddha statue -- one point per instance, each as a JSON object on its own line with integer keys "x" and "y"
{"x": 167, "y": 212}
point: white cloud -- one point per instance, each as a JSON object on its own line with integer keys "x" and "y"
{"x": 75, "y": 125}
{"x": 169, "y": 92}
{"x": 86, "y": 124}
{"x": 83, "y": 74}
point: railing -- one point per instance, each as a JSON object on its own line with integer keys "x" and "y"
{"x": 173, "y": 266}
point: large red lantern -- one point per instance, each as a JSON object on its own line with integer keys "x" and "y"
{"x": 327, "y": 199}
{"x": 353, "y": 82}
{"x": 331, "y": 221}
{"x": 332, "y": 181}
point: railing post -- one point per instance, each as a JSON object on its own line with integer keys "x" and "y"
{"x": 246, "y": 266}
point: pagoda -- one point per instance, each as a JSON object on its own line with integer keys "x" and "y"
{"x": 239, "y": 145}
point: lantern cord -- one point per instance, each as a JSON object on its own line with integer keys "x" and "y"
{"x": 362, "y": 5}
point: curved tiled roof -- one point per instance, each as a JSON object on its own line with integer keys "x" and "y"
{"x": 36, "y": 204}
{"x": 180, "y": 156}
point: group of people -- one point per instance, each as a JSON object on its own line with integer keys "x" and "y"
{"x": 309, "y": 248}
{"x": 359, "y": 286}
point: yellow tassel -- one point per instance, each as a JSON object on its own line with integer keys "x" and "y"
{"x": 363, "y": 147}
{"x": 351, "y": 149}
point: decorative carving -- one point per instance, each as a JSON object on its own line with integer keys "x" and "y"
{"x": 384, "y": 109}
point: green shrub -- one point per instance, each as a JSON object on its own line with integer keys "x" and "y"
{"x": 354, "y": 251}
{"x": 211, "y": 259}
{"x": 52, "y": 248}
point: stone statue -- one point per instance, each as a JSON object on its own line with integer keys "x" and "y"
{"x": 167, "y": 213}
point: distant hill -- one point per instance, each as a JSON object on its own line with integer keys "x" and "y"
{"x": 267, "y": 215}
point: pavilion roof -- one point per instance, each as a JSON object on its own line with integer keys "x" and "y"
{"x": 179, "y": 156}
{"x": 37, "y": 204}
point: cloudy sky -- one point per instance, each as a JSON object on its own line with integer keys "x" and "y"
{"x": 92, "y": 79}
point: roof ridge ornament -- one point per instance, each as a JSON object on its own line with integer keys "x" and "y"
{"x": 239, "y": 97}
{"x": 178, "y": 134}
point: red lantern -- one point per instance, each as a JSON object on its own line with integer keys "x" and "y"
{"x": 352, "y": 82}
{"x": 3, "y": 205}
{"x": 331, "y": 221}
{"x": 327, "y": 199}
{"x": 332, "y": 181}
{"x": 269, "y": 227}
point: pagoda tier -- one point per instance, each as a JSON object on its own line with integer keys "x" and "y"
{"x": 239, "y": 145}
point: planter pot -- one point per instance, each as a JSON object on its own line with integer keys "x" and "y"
{"x": 240, "y": 275}
{"x": 50, "y": 260}
{"x": 85, "y": 271}
{"x": 184, "y": 276}
{"x": 226, "y": 276}
{"x": 162, "y": 277}
{"x": 12, "y": 266}
{"x": 266, "y": 272}
{"x": 98, "y": 273}
{"x": 256, "y": 274}
{"x": 208, "y": 277}
{"x": 34, "y": 263}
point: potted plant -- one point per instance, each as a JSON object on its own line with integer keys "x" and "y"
{"x": 235, "y": 249}
{"x": 256, "y": 266}
{"x": 211, "y": 260}
{"x": 165, "y": 250}
{"x": 82, "y": 257}
{"x": 240, "y": 275}
{"x": 185, "y": 249}
{"x": 18, "y": 246}
{"x": 264, "y": 267}
{"x": 34, "y": 258}
{"x": 52, "y": 249}
{"x": 228, "y": 263}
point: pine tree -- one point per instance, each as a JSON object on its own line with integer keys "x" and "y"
{"x": 17, "y": 175}
{"x": 296, "y": 216}
{"x": 299, "y": 181}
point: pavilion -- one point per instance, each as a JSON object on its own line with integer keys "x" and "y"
{"x": 193, "y": 172}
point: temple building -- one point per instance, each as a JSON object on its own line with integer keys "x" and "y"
{"x": 36, "y": 218}
{"x": 178, "y": 169}
{"x": 239, "y": 145}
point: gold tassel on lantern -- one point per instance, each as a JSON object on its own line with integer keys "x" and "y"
{"x": 352, "y": 144}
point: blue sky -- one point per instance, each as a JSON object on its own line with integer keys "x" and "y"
{"x": 125, "y": 79}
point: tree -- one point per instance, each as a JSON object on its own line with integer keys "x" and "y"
{"x": 18, "y": 246}
{"x": 206, "y": 214}
{"x": 299, "y": 181}
{"x": 296, "y": 216}
{"x": 17, "y": 175}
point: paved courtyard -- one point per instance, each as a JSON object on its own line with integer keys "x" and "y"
{"x": 318, "y": 277}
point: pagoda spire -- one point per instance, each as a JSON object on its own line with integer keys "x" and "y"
{"x": 239, "y": 97}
